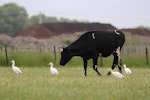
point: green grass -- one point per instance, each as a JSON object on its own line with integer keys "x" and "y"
{"x": 42, "y": 58}
{"x": 28, "y": 58}
{"x": 36, "y": 83}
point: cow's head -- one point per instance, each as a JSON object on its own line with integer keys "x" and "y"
{"x": 65, "y": 56}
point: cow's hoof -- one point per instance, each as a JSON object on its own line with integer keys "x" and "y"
{"x": 109, "y": 73}
{"x": 99, "y": 74}
{"x": 85, "y": 75}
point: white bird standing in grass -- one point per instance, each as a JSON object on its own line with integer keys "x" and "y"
{"x": 116, "y": 74}
{"x": 53, "y": 70}
{"x": 126, "y": 70}
{"x": 15, "y": 68}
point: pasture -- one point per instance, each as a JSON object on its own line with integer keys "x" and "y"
{"x": 36, "y": 83}
{"x": 37, "y": 58}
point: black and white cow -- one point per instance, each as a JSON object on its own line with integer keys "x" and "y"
{"x": 93, "y": 43}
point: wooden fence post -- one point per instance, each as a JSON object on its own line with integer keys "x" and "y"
{"x": 146, "y": 51}
{"x": 6, "y": 55}
{"x": 55, "y": 53}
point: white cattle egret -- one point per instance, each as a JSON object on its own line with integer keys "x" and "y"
{"x": 127, "y": 70}
{"x": 15, "y": 68}
{"x": 53, "y": 70}
{"x": 116, "y": 74}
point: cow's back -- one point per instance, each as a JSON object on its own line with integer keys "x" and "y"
{"x": 104, "y": 42}
{"x": 108, "y": 41}
{"x": 83, "y": 42}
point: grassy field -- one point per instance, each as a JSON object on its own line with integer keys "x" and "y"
{"x": 36, "y": 83}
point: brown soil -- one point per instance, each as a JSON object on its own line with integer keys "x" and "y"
{"x": 45, "y": 36}
{"x": 142, "y": 32}
{"x": 48, "y": 30}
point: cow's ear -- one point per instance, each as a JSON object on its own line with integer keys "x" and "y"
{"x": 63, "y": 49}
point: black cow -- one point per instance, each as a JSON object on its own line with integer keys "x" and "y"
{"x": 93, "y": 43}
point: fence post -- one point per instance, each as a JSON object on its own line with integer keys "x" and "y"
{"x": 55, "y": 53}
{"x": 146, "y": 51}
{"x": 6, "y": 55}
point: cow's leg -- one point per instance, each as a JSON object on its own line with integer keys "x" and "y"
{"x": 85, "y": 67}
{"x": 120, "y": 66}
{"x": 119, "y": 59}
{"x": 95, "y": 66}
{"x": 115, "y": 62}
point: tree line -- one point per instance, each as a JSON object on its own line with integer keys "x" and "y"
{"x": 14, "y": 19}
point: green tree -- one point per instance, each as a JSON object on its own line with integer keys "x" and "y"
{"x": 13, "y": 19}
{"x": 64, "y": 20}
{"x": 144, "y": 27}
{"x": 41, "y": 18}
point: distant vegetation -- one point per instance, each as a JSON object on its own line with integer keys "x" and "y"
{"x": 14, "y": 19}
{"x": 143, "y": 27}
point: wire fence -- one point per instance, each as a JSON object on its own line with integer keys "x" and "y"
{"x": 138, "y": 50}
{"x": 125, "y": 50}
{"x": 135, "y": 49}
